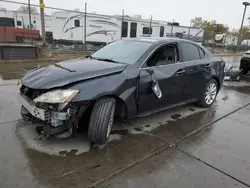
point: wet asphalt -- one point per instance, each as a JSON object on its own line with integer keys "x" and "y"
{"x": 182, "y": 147}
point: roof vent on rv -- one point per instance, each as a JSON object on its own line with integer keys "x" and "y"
{"x": 137, "y": 16}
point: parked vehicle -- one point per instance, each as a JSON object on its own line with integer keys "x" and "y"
{"x": 245, "y": 62}
{"x": 126, "y": 78}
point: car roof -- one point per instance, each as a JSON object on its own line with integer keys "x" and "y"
{"x": 159, "y": 39}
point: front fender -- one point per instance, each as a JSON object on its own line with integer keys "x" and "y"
{"x": 121, "y": 86}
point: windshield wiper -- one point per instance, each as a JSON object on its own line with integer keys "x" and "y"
{"x": 107, "y": 59}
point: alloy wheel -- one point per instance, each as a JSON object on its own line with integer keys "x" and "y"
{"x": 211, "y": 92}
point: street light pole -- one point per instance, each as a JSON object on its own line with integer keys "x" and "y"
{"x": 29, "y": 9}
{"x": 246, "y": 4}
{"x": 85, "y": 28}
{"x": 42, "y": 6}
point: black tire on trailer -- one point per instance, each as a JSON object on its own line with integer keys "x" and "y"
{"x": 101, "y": 120}
{"x": 209, "y": 94}
{"x": 245, "y": 71}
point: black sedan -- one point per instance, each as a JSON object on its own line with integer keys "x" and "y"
{"x": 126, "y": 79}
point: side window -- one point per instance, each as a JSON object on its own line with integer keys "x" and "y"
{"x": 202, "y": 53}
{"x": 164, "y": 56}
{"x": 146, "y": 30}
{"x": 124, "y": 29}
{"x": 19, "y": 23}
{"x": 161, "y": 31}
{"x": 189, "y": 52}
{"x": 133, "y": 29}
{"x": 77, "y": 23}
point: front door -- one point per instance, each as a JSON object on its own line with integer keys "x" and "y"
{"x": 164, "y": 69}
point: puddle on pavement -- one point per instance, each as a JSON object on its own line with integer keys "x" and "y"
{"x": 16, "y": 70}
{"x": 176, "y": 116}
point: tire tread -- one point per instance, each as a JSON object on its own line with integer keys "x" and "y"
{"x": 99, "y": 120}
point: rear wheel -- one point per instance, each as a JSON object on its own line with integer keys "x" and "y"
{"x": 245, "y": 71}
{"x": 209, "y": 94}
{"x": 101, "y": 120}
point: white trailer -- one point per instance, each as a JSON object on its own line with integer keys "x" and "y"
{"x": 21, "y": 20}
{"x": 69, "y": 27}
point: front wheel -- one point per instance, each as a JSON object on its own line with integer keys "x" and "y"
{"x": 101, "y": 120}
{"x": 209, "y": 94}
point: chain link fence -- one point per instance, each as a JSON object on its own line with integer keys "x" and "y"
{"x": 229, "y": 42}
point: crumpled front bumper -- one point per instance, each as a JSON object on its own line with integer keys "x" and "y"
{"x": 46, "y": 127}
{"x": 52, "y": 122}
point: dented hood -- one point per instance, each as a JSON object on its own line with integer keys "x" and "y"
{"x": 67, "y": 72}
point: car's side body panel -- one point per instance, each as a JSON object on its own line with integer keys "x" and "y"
{"x": 123, "y": 86}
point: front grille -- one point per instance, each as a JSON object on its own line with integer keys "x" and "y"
{"x": 30, "y": 93}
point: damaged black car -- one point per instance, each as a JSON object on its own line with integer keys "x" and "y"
{"x": 125, "y": 79}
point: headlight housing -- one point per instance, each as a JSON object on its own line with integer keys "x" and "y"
{"x": 57, "y": 96}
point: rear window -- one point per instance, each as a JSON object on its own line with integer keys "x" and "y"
{"x": 190, "y": 52}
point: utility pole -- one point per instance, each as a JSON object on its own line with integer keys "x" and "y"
{"x": 29, "y": 8}
{"x": 150, "y": 26}
{"x": 122, "y": 22}
{"x": 246, "y": 4}
{"x": 42, "y": 6}
{"x": 85, "y": 28}
{"x": 172, "y": 27}
{"x": 190, "y": 25}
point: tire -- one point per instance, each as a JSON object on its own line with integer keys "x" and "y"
{"x": 245, "y": 71}
{"x": 203, "y": 102}
{"x": 101, "y": 120}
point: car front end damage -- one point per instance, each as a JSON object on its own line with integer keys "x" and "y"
{"x": 56, "y": 114}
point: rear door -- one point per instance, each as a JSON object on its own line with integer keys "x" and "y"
{"x": 164, "y": 68}
{"x": 198, "y": 69}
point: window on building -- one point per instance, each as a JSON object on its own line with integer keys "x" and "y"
{"x": 19, "y": 23}
{"x": 124, "y": 29}
{"x": 190, "y": 52}
{"x": 146, "y": 30}
{"x": 77, "y": 23}
{"x": 34, "y": 21}
{"x": 133, "y": 29}
{"x": 161, "y": 31}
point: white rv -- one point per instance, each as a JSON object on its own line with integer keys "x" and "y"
{"x": 224, "y": 39}
{"x": 21, "y": 20}
{"x": 69, "y": 27}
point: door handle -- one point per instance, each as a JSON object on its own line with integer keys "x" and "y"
{"x": 179, "y": 72}
{"x": 208, "y": 65}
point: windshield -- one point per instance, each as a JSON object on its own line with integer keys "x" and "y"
{"x": 122, "y": 51}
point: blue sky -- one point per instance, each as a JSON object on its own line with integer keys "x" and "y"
{"x": 228, "y": 12}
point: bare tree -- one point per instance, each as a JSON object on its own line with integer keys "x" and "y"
{"x": 25, "y": 9}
